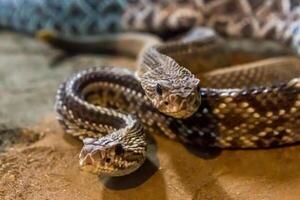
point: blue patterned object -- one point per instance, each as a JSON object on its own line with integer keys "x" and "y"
{"x": 65, "y": 17}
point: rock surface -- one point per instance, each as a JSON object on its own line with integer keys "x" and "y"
{"x": 38, "y": 161}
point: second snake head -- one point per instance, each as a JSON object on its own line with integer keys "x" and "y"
{"x": 172, "y": 89}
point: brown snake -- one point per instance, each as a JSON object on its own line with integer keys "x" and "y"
{"x": 252, "y": 105}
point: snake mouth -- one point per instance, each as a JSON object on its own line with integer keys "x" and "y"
{"x": 87, "y": 163}
{"x": 108, "y": 160}
{"x": 187, "y": 110}
{"x": 182, "y": 114}
{"x": 91, "y": 156}
{"x": 96, "y": 163}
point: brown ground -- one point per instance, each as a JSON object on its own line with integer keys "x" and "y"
{"x": 37, "y": 161}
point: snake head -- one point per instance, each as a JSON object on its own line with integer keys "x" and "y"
{"x": 108, "y": 157}
{"x": 172, "y": 89}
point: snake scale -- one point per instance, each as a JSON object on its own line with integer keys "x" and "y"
{"x": 251, "y": 105}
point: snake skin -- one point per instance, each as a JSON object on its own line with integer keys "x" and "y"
{"x": 261, "y": 111}
{"x": 228, "y": 118}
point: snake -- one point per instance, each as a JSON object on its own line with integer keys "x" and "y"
{"x": 252, "y": 104}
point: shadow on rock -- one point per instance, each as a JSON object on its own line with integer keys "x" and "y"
{"x": 206, "y": 153}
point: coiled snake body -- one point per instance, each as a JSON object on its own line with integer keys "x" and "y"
{"x": 252, "y": 105}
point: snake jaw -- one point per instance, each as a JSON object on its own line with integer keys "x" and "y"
{"x": 177, "y": 105}
{"x": 109, "y": 159}
{"x": 183, "y": 107}
{"x": 87, "y": 161}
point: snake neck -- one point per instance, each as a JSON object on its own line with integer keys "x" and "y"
{"x": 80, "y": 92}
{"x": 119, "y": 144}
{"x": 90, "y": 119}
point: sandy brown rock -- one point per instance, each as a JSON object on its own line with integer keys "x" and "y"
{"x": 38, "y": 161}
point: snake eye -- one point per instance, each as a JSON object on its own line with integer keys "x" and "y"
{"x": 158, "y": 89}
{"x": 119, "y": 150}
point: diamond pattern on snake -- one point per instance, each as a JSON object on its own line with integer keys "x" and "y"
{"x": 183, "y": 87}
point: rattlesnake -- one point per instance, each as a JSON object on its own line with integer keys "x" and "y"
{"x": 252, "y": 105}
